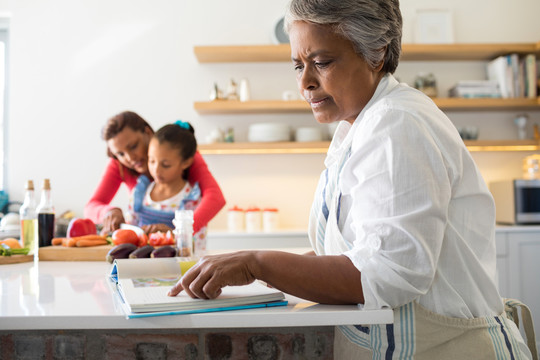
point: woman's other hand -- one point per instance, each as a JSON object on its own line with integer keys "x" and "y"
{"x": 152, "y": 228}
{"x": 112, "y": 221}
{"x": 206, "y": 278}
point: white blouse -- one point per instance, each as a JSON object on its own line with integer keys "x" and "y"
{"x": 415, "y": 210}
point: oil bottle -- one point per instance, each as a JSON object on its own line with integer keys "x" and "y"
{"x": 45, "y": 216}
{"x": 29, "y": 223}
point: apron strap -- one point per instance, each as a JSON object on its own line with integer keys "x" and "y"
{"x": 511, "y": 308}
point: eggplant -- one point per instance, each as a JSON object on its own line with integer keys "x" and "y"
{"x": 164, "y": 251}
{"x": 142, "y": 252}
{"x": 121, "y": 251}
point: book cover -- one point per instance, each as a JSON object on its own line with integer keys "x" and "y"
{"x": 143, "y": 285}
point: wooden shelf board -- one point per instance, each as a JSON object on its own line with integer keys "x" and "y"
{"x": 321, "y": 147}
{"x": 300, "y": 106}
{"x": 253, "y": 106}
{"x": 486, "y": 103}
{"x": 411, "y": 52}
{"x": 250, "y": 148}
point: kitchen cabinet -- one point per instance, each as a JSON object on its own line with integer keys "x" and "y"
{"x": 518, "y": 266}
{"x": 411, "y": 52}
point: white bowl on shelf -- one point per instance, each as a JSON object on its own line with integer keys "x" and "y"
{"x": 304, "y": 134}
{"x": 269, "y": 132}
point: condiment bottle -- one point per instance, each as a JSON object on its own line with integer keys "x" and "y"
{"x": 29, "y": 223}
{"x": 45, "y": 216}
{"x": 235, "y": 219}
{"x": 253, "y": 220}
{"x": 270, "y": 220}
{"x": 183, "y": 232}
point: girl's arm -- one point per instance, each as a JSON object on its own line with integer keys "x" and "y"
{"x": 212, "y": 200}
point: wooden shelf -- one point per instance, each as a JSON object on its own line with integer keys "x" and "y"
{"x": 300, "y": 106}
{"x": 320, "y": 147}
{"x": 250, "y": 107}
{"x": 411, "y": 52}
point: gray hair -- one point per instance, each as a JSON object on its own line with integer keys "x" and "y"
{"x": 373, "y": 27}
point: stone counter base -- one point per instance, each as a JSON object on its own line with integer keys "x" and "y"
{"x": 191, "y": 344}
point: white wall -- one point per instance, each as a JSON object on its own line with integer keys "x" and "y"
{"x": 76, "y": 63}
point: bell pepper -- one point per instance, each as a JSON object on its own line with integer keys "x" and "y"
{"x": 81, "y": 227}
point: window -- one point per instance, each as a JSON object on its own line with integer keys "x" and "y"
{"x": 4, "y": 62}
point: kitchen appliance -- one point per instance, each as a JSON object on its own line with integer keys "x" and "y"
{"x": 517, "y": 201}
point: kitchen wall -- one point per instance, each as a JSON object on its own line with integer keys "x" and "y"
{"x": 74, "y": 64}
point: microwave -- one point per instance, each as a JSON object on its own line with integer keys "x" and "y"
{"x": 516, "y": 201}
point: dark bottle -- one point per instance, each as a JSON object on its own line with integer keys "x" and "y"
{"x": 45, "y": 212}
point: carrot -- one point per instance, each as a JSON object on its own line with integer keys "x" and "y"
{"x": 90, "y": 237}
{"x": 91, "y": 242}
{"x": 69, "y": 242}
{"x": 57, "y": 241}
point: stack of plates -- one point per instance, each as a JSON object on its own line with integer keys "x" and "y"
{"x": 268, "y": 132}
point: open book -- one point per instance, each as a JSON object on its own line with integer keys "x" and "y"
{"x": 143, "y": 285}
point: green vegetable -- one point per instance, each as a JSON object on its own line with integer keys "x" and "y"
{"x": 5, "y": 250}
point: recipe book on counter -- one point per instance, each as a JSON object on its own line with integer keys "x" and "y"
{"x": 143, "y": 284}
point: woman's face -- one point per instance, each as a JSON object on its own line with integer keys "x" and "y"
{"x": 130, "y": 147}
{"x": 165, "y": 163}
{"x": 333, "y": 79}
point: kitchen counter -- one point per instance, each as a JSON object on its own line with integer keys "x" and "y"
{"x": 78, "y": 295}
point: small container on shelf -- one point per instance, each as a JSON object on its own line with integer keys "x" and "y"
{"x": 253, "y": 220}
{"x": 235, "y": 219}
{"x": 531, "y": 167}
{"x": 270, "y": 220}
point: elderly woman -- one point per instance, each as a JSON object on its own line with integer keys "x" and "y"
{"x": 401, "y": 216}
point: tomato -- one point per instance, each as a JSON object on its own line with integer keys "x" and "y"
{"x": 80, "y": 227}
{"x": 124, "y": 236}
{"x": 160, "y": 239}
{"x": 143, "y": 240}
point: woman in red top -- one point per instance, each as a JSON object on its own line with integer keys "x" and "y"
{"x": 127, "y": 136}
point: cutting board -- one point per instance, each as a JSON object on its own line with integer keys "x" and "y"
{"x": 63, "y": 253}
{"x": 15, "y": 259}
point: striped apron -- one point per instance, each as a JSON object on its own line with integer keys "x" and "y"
{"x": 416, "y": 333}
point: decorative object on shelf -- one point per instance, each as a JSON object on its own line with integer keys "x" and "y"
{"x": 289, "y": 95}
{"x": 308, "y": 134}
{"x": 434, "y": 26}
{"x": 269, "y": 132}
{"x": 468, "y": 132}
{"x": 531, "y": 167}
{"x": 270, "y": 220}
{"x": 475, "y": 89}
{"x": 232, "y": 91}
{"x": 426, "y": 83}
{"x": 521, "y": 123}
{"x": 235, "y": 219}
{"x": 253, "y": 220}
{"x": 245, "y": 94}
{"x": 216, "y": 93}
{"x": 229, "y": 135}
{"x": 215, "y": 136}
{"x": 279, "y": 36}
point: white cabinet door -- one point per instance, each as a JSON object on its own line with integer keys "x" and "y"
{"x": 524, "y": 271}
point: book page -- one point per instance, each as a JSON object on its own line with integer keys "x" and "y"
{"x": 148, "y": 267}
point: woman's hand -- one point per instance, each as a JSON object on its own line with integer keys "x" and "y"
{"x": 206, "y": 278}
{"x": 112, "y": 221}
{"x": 152, "y": 228}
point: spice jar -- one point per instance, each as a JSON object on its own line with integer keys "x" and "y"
{"x": 253, "y": 220}
{"x": 270, "y": 220}
{"x": 235, "y": 219}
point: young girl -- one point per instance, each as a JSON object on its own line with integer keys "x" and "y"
{"x": 170, "y": 156}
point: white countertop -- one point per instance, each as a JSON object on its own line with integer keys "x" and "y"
{"x": 77, "y": 295}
